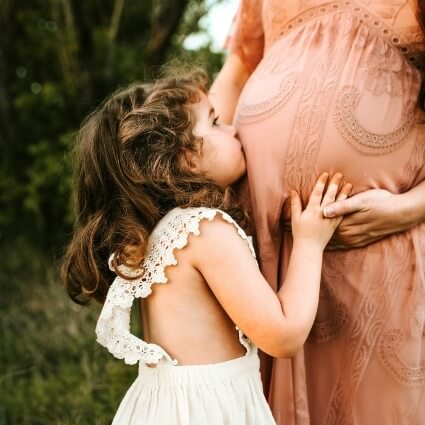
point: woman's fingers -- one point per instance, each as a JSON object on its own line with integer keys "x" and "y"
{"x": 317, "y": 193}
{"x": 344, "y": 206}
{"x": 339, "y": 209}
{"x": 332, "y": 189}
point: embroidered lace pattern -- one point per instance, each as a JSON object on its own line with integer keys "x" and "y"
{"x": 364, "y": 331}
{"x": 409, "y": 46}
{"x": 364, "y": 141}
{"x": 388, "y": 354}
{"x": 417, "y": 314}
{"x": 386, "y": 69}
{"x": 325, "y": 330}
{"x": 333, "y": 315}
{"x": 113, "y": 326}
{"x": 413, "y": 166}
{"x": 312, "y": 111}
{"x": 251, "y": 113}
{"x": 271, "y": 71}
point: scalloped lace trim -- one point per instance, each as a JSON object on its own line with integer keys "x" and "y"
{"x": 113, "y": 326}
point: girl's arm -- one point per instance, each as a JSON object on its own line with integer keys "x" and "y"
{"x": 277, "y": 323}
{"x": 226, "y": 88}
{"x": 374, "y": 214}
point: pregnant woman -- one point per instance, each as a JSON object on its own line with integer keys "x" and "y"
{"x": 317, "y": 86}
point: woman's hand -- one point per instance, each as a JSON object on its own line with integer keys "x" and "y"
{"x": 371, "y": 215}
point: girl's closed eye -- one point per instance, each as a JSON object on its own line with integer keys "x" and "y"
{"x": 215, "y": 121}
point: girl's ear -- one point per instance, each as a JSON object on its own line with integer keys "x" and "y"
{"x": 193, "y": 161}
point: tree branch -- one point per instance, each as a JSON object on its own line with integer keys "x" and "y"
{"x": 112, "y": 34}
{"x": 166, "y": 18}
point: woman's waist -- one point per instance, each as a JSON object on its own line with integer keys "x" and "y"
{"x": 270, "y": 185}
{"x": 398, "y": 257}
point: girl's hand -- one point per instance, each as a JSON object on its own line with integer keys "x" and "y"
{"x": 310, "y": 225}
{"x": 369, "y": 217}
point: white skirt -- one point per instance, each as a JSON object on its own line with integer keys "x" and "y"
{"x": 227, "y": 393}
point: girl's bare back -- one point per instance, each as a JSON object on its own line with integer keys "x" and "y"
{"x": 186, "y": 319}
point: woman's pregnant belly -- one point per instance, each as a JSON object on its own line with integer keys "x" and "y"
{"x": 332, "y": 96}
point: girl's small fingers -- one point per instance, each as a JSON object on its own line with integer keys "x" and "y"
{"x": 296, "y": 207}
{"x": 344, "y": 192}
{"x": 332, "y": 189}
{"x": 317, "y": 193}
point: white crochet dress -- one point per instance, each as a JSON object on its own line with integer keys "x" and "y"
{"x": 227, "y": 393}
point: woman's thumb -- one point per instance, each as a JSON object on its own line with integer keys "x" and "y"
{"x": 341, "y": 208}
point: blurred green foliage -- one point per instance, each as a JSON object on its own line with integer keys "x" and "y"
{"x": 59, "y": 59}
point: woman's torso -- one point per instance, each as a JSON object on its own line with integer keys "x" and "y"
{"x": 335, "y": 91}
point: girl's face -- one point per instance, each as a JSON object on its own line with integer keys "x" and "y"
{"x": 221, "y": 158}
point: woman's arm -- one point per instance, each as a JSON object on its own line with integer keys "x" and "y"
{"x": 226, "y": 88}
{"x": 371, "y": 215}
{"x": 278, "y": 324}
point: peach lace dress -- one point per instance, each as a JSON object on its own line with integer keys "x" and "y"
{"x": 334, "y": 88}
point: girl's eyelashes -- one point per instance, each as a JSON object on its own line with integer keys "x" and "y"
{"x": 215, "y": 121}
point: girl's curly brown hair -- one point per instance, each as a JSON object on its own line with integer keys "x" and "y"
{"x": 131, "y": 170}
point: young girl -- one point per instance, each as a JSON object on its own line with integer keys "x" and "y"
{"x": 153, "y": 165}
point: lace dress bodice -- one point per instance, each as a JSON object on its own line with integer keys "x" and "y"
{"x": 171, "y": 233}
{"x": 260, "y": 23}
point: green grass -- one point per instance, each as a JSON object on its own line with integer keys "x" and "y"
{"x": 52, "y": 371}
